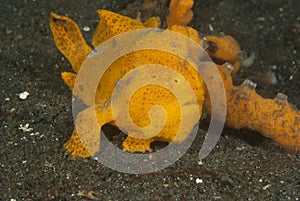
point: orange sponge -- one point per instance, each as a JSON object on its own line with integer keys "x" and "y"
{"x": 273, "y": 118}
{"x": 180, "y": 12}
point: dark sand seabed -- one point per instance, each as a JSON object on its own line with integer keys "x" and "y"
{"x": 244, "y": 165}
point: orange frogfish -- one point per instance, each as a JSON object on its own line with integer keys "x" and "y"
{"x": 274, "y": 118}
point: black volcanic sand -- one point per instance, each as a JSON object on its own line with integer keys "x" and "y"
{"x": 243, "y": 166}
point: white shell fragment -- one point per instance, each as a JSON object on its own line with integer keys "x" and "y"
{"x": 211, "y": 28}
{"x": 86, "y": 29}
{"x": 199, "y": 181}
{"x": 23, "y": 95}
{"x": 25, "y": 128}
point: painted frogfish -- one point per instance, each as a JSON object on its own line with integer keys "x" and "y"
{"x": 273, "y": 118}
